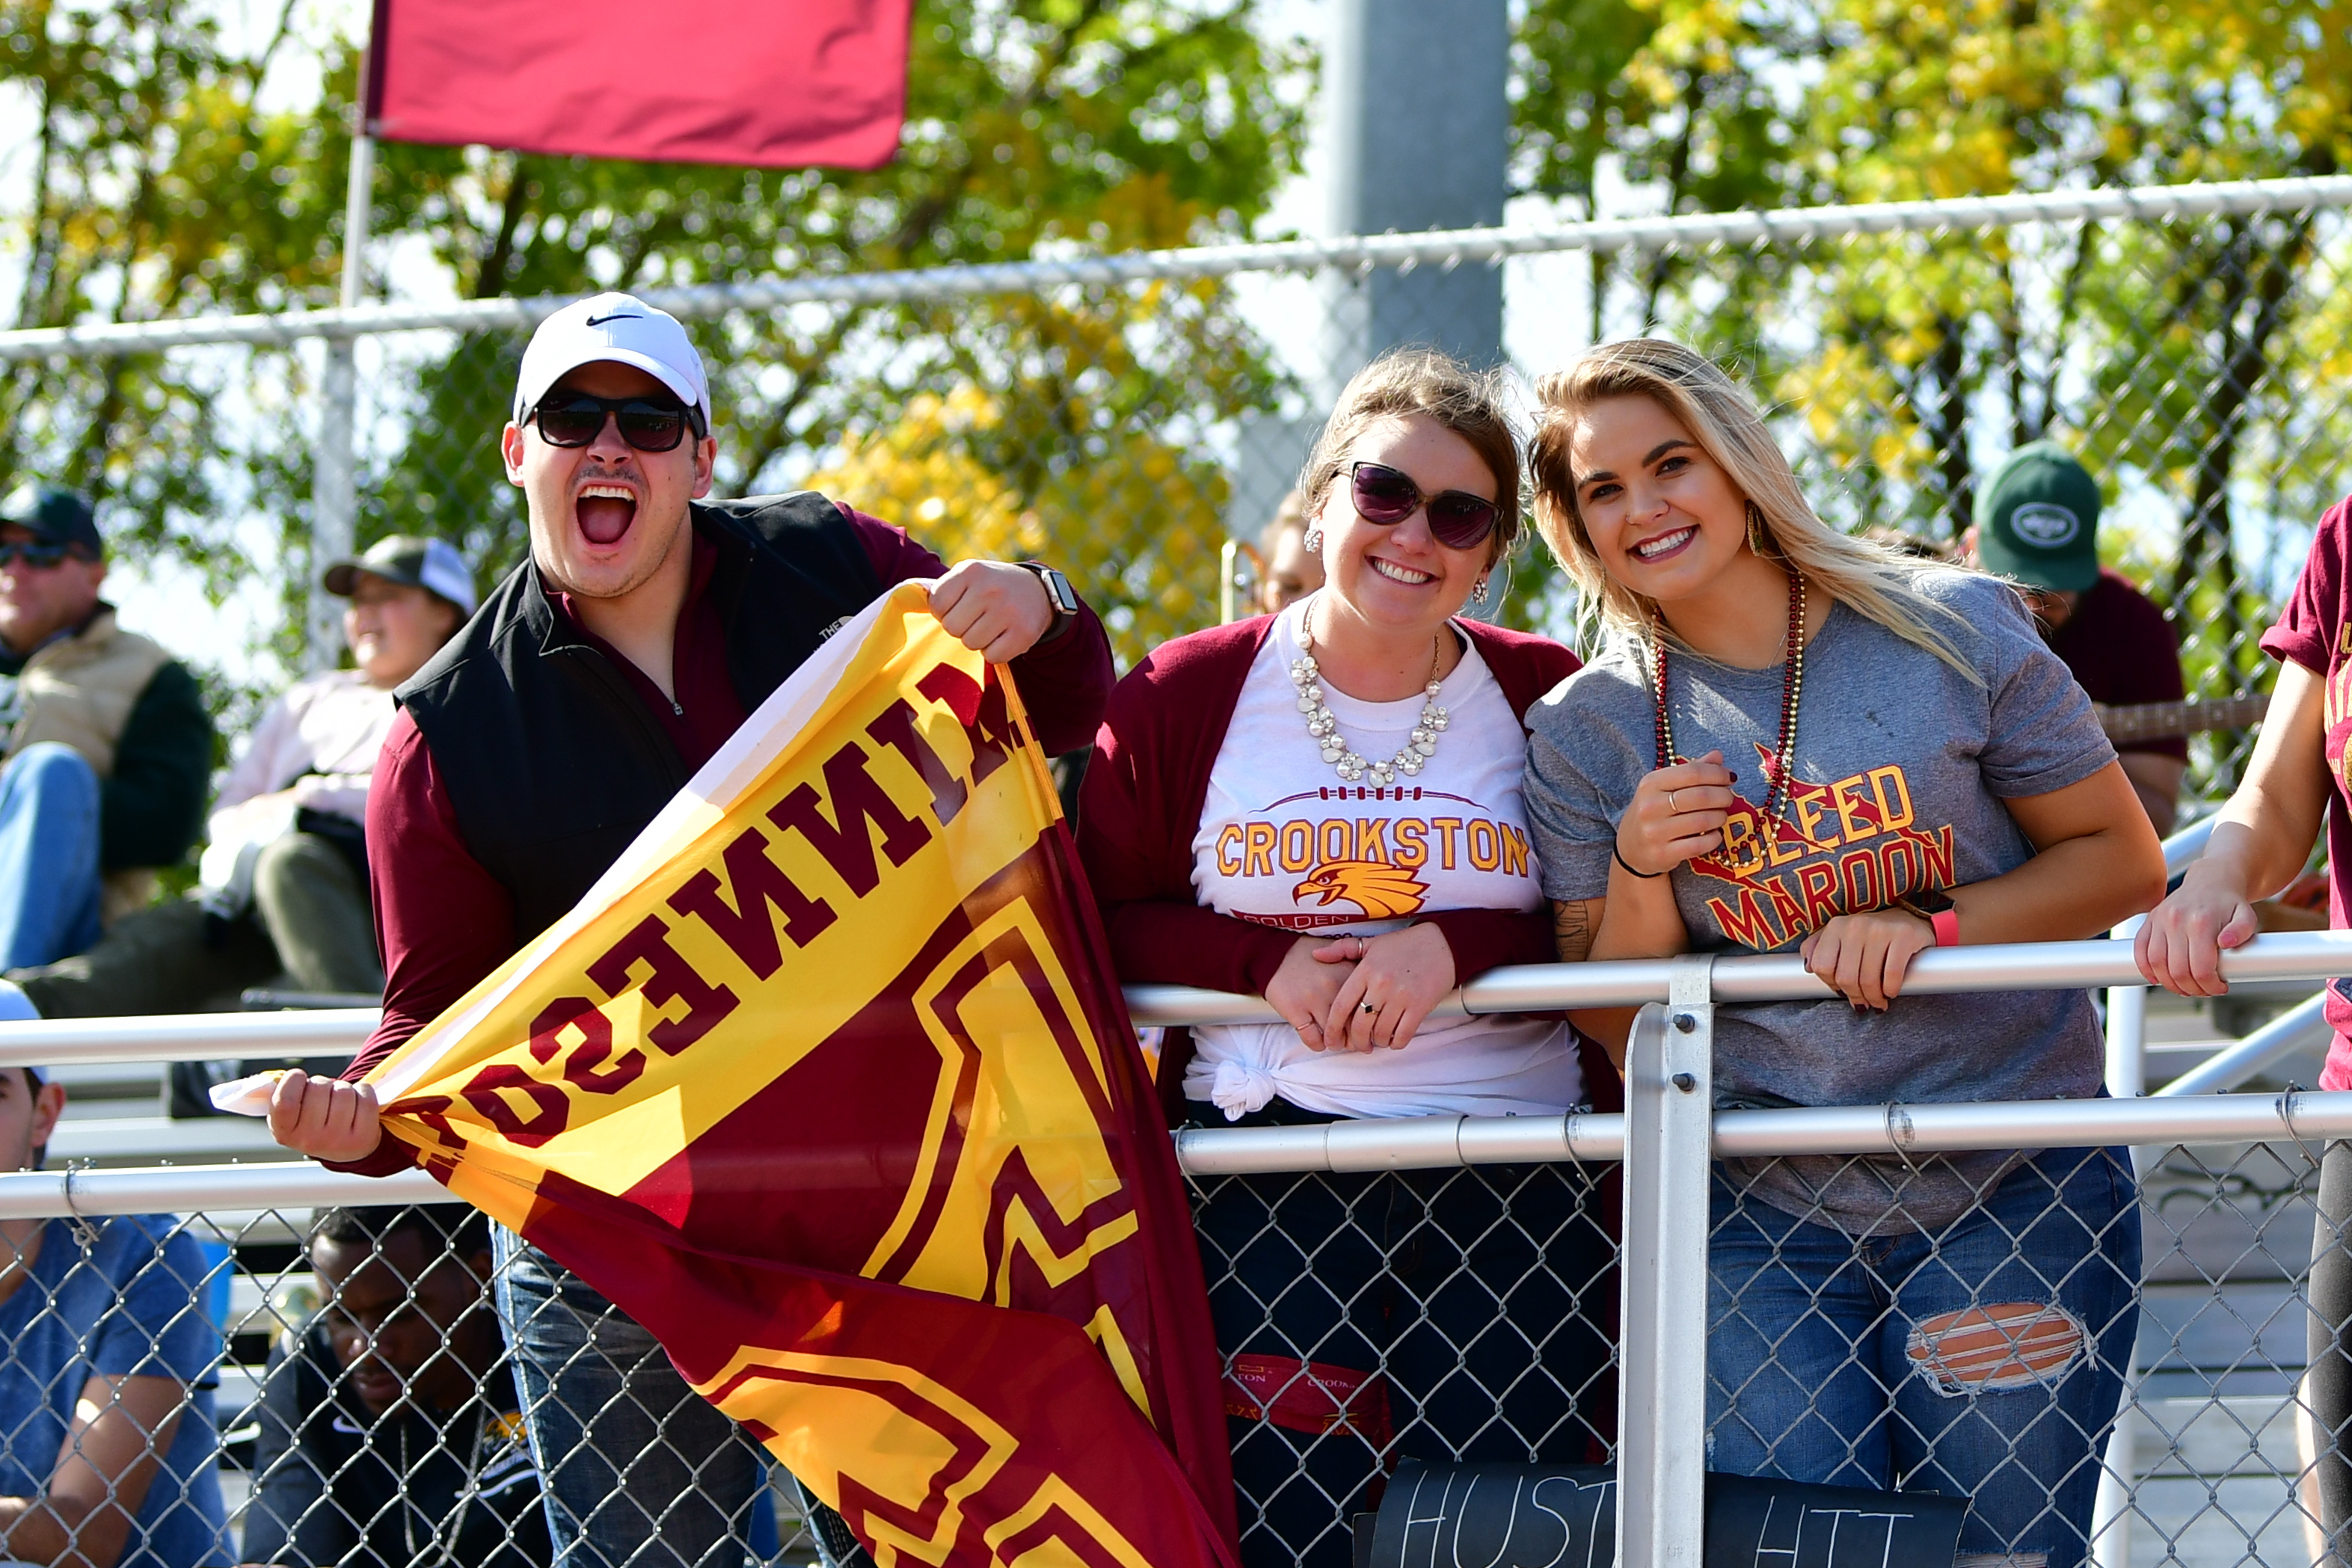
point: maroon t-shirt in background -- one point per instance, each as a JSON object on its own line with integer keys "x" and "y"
{"x": 2123, "y": 651}
{"x": 443, "y": 921}
{"x": 2315, "y": 630}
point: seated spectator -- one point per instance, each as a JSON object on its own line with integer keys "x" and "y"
{"x": 2037, "y": 523}
{"x": 106, "y": 1366}
{"x": 1290, "y": 571}
{"x": 390, "y": 1431}
{"x": 285, "y": 896}
{"x": 107, "y": 748}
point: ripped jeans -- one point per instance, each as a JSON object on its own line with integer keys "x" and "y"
{"x": 1984, "y": 1361}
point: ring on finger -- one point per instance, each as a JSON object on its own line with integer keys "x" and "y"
{"x": 1670, "y": 803}
{"x": 1367, "y": 1006}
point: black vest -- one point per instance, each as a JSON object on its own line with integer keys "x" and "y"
{"x": 548, "y": 754}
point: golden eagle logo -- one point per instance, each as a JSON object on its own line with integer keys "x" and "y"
{"x": 1381, "y": 890}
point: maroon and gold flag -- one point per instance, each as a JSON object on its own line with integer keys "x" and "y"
{"x": 829, "y": 1084}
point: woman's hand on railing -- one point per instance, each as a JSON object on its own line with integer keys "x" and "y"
{"x": 1311, "y": 973}
{"x": 1388, "y": 992}
{"x": 325, "y": 1118}
{"x": 2181, "y": 945}
{"x": 1865, "y": 955}
{"x": 1676, "y": 812}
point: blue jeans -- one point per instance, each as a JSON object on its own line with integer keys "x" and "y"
{"x": 48, "y": 857}
{"x": 1859, "y": 1361}
{"x": 640, "y": 1469}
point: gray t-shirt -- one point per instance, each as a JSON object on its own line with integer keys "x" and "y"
{"x": 1902, "y": 765}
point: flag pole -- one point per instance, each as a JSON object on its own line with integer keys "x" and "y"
{"x": 334, "y": 494}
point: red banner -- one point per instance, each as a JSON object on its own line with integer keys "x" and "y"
{"x": 814, "y": 82}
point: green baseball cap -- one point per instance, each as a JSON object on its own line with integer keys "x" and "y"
{"x": 2037, "y": 519}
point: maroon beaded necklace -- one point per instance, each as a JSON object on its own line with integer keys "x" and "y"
{"x": 1793, "y": 684}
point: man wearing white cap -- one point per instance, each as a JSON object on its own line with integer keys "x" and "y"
{"x": 284, "y": 893}
{"x": 646, "y": 625}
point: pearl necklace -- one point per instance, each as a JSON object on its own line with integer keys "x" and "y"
{"x": 1323, "y": 726}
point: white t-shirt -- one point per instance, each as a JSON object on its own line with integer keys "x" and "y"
{"x": 1283, "y": 841}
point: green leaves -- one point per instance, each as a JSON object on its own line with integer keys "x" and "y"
{"x": 176, "y": 178}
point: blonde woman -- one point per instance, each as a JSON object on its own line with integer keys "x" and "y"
{"x": 1803, "y": 741}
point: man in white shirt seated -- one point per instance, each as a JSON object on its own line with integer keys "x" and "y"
{"x": 284, "y": 896}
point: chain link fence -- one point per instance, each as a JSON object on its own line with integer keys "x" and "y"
{"x": 343, "y": 1391}
{"x": 1125, "y": 415}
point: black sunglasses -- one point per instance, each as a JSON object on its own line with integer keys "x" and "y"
{"x": 1384, "y": 497}
{"x": 33, "y": 553}
{"x": 575, "y": 419}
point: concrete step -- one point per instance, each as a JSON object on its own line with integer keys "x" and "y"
{"x": 156, "y": 1140}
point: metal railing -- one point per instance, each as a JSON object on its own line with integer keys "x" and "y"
{"x": 1440, "y": 247}
{"x": 1666, "y": 1139}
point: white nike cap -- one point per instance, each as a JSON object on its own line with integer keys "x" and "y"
{"x": 616, "y": 327}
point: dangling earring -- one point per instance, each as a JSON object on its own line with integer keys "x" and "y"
{"x": 1313, "y": 540}
{"x": 1479, "y": 589}
{"x": 1759, "y": 535}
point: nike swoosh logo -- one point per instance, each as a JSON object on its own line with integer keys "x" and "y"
{"x": 615, "y": 315}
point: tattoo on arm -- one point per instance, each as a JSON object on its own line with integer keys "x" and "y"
{"x": 1572, "y": 927}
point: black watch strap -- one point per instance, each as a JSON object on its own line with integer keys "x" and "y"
{"x": 1060, "y": 595}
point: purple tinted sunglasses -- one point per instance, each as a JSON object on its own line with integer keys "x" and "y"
{"x": 1384, "y": 497}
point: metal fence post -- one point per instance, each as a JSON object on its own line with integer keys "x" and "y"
{"x": 2127, "y": 1029}
{"x": 1661, "y": 1419}
{"x": 334, "y": 483}
{"x": 2111, "y": 1513}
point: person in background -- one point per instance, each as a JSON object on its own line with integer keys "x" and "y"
{"x": 1321, "y": 807}
{"x": 107, "y": 748}
{"x": 106, "y": 1441}
{"x": 2296, "y": 783}
{"x": 1290, "y": 571}
{"x": 391, "y": 1435}
{"x": 644, "y": 626}
{"x": 1800, "y": 742}
{"x": 2037, "y": 524}
{"x": 284, "y": 895}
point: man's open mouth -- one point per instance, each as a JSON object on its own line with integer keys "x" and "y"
{"x": 605, "y": 512}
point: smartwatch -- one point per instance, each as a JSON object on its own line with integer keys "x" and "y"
{"x": 1933, "y": 905}
{"x": 1060, "y": 595}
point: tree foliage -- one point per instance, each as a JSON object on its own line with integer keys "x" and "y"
{"x": 2169, "y": 355}
{"x": 170, "y": 181}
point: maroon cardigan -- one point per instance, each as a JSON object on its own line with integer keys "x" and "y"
{"x": 1141, "y": 806}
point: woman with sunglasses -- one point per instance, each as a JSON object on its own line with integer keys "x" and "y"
{"x": 1798, "y": 740}
{"x": 1321, "y": 807}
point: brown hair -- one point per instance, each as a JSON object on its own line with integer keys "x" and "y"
{"x": 1436, "y": 386}
{"x": 1873, "y": 580}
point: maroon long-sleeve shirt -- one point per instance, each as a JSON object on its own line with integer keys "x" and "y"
{"x": 443, "y": 921}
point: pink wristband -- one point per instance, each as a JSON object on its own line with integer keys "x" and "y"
{"x": 1947, "y": 923}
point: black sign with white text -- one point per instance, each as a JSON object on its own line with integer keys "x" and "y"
{"x": 1565, "y": 1516}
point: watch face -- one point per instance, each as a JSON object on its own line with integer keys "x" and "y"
{"x": 1058, "y": 590}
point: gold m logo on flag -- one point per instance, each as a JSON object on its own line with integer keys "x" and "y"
{"x": 826, "y": 1082}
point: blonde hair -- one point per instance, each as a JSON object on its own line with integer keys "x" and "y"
{"x": 1440, "y": 388}
{"x": 1871, "y": 579}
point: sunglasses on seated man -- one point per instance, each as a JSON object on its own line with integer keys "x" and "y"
{"x": 648, "y": 425}
{"x": 37, "y": 553}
